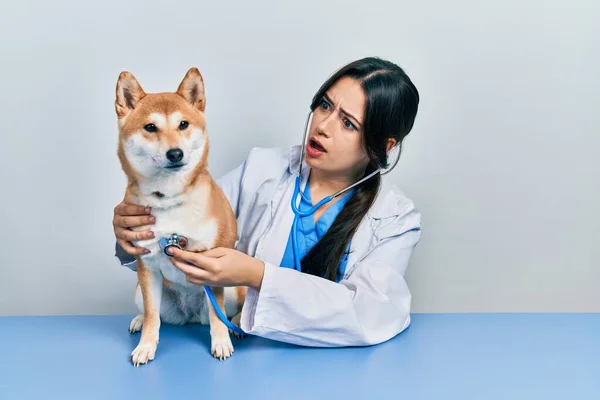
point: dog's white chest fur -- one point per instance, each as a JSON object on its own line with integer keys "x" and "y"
{"x": 189, "y": 218}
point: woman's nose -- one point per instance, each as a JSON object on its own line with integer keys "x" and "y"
{"x": 324, "y": 126}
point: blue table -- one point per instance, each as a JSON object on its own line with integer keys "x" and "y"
{"x": 441, "y": 356}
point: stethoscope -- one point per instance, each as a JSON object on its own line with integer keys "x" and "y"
{"x": 298, "y": 213}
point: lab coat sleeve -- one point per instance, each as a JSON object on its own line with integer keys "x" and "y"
{"x": 230, "y": 184}
{"x": 369, "y": 307}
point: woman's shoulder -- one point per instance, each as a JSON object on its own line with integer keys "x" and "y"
{"x": 274, "y": 158}
{"x": 267, "y": 166}
{"x": 271, "y": 163}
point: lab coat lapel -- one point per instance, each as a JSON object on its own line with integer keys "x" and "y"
{"x": 292, "y": 171}
{"x": 364, "y": 239}
{"x": 273, "y": 243}
{"x": 360, "y": 245}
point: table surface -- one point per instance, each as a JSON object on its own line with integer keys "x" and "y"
{"x": 441, "y": 356}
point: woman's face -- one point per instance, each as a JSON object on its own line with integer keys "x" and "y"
{"x": 335, "y": 135}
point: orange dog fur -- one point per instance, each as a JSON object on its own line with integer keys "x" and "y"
{"x": 163, "y": 151}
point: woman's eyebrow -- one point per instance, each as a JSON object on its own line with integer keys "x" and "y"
{"x": 326, "y": 96}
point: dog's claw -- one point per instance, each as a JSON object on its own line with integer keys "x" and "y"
{"x": 222, "y": 348}
{"x": 143, "y": 353}
{"x": 237, "y": 334}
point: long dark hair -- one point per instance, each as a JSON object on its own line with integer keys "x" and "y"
{"x": 391, "y": 108}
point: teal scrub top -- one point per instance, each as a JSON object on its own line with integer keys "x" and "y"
{"x": 308, "y": 233}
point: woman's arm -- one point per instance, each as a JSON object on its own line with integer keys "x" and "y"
{"x": 370, "y": 307}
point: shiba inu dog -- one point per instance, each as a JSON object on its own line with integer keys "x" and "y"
{"x": 163, "y": 151}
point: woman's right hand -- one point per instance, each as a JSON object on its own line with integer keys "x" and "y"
{"x": 129, "y": 216}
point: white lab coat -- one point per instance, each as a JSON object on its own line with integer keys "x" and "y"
{"x": 371, "y": 304}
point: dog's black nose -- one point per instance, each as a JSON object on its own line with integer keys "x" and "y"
{"x": 175, "y": 155}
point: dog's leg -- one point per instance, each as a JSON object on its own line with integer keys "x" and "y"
{"x": 136, "y": 323}
{"x": 170, "y": 312}
{"x": 221, "y": 346}
{"x": 151, "y": 290}
{"x": 240, "y": 293}
{"x": 236, "y": 321}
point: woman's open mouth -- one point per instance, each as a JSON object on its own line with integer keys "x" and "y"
{"x": 314, "y": 148}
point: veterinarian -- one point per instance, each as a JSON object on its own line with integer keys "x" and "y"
{"x": 354, "y": 249}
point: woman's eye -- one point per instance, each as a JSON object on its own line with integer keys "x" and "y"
{"x": 349, "y": 124}
{"x": 324, "y": 104}
{"x": 150, "y": 128}
{"x": 183, "y": 125}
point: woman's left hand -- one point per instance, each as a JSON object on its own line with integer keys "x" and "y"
{"x": 220, "y": 266}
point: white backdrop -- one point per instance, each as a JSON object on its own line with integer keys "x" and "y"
{"x": 500, "y": 161}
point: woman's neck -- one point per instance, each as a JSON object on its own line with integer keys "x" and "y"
{"x": 325, "y": 182}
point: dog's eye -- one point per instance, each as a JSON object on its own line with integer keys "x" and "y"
{"x": 150, "y": 128}
{"x": 183, "y": 125}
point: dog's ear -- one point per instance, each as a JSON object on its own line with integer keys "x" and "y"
{"x": 129, "y": 93}
{"x": 191, "y": 88}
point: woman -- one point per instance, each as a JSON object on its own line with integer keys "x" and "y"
{"x": 354, "y": 250}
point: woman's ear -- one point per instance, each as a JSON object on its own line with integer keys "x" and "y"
{"x": 391, "y": 143}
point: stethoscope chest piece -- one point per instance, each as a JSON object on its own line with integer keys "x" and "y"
{"x": 174, "y": 240}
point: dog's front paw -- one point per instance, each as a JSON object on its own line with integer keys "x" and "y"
{"x": 143, "y": 353}
{"x": 136, "y": 324}
{"x": 221, "y": 347}
{"x": 236, "y": 320}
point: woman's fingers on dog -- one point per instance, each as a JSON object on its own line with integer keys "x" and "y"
{"x": 196, "y": 281}
{"x": 196, "y": 259}
{"x": 215, "y": 252}
{"x": 131, "y": 209}
{"x": 131, "y": 236}
{"x": 130, "y": 249}
{"x": 130, "y": 221}
{"x": 192, "y": 272}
